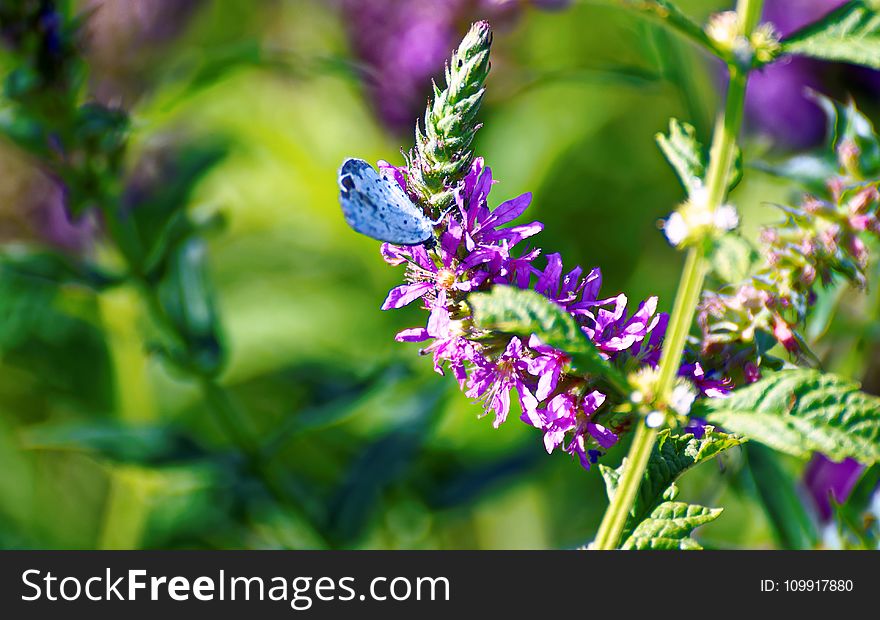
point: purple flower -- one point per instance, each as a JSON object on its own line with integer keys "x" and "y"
{"x": 547, "y": 365}
{"x": 397, "y": 173}
{"x": 709, "y": 385}
{"x": 587, "y": 433}
{"x": 42, "y": 215}
{"x": 827, "y": 480}
{"x": 751, "y": 372}
{"x": 492, "y": 382}
{"x": 613, "y": 331}
{"x": 564, "y": 414}
{"x": 555, "y": 420}
{"x": 479, "y": 248}
{"x": 778, "y": 103}
{"x": 120, "y": 35}
{"x": 402, "y": 43}
{"x": 564, "y": 290}
{"x": 481, "y": 224}
{"x": 427, "y": 279}
{"x": 697, "y": 426}
{"x": 449, "y": 346}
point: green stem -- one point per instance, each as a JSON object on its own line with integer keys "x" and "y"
{"x": 621, "y": 504}
{"x": 722, "y": 158}
{"x": 749, "y": 12}
{"x": 686, "y": 300}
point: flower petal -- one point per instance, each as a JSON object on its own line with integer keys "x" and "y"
{"x": 510, "y": 210}
{"x": 412, "y": 334}
{"x": 394, "y": 254}
{"x": 405, "y": 294}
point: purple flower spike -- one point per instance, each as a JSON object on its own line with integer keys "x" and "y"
{"x": 476, "y": 252}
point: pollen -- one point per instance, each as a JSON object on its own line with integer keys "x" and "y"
{"x": 445, "y": 279}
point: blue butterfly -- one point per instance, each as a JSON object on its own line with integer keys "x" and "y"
{"x": 377, "y": 207}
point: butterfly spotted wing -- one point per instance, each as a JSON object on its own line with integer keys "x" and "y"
{"x": 379, "y": 208}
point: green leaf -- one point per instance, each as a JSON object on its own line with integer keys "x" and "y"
{"x": 848, "y": 123}
{"x": 684, "y": 153}
{"x": 113, "y": 441}
{"x": 828, "y": 300}
{"x": 672, "y": 456}
{"x": 158, "y": 192}
{"x": 187, "y": 299}
{"x": 732, "y": 258}
{"x": 380, "y": 464}
{"x": 802, "y": 411}
{"x": 689, "y": 158}
{"x": 521, "y": 312}
{"x": 812, "y": 171}
{"x": 845, "y": 123}
{"x": 849, "y": 34}
{"x": 671, "y": 16}
{"x": 669, "y": 527}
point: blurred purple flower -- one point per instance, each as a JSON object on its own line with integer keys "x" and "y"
{"x": 826, "y": 480}
{"x": 777, "y": 102}
{"x": 118, "y": 34}
{"x": 403, "y": 44}
{"x": 34, "y": 208}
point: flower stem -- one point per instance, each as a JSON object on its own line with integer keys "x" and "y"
{"x": 749, "y": 12}
{"x": 614, "y": 518}
{"x": 721, "y": 162}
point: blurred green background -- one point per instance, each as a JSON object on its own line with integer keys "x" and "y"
{"x": 104, "y": 445}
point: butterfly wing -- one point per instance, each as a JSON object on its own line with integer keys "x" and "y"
{"x": 378, "y": 207}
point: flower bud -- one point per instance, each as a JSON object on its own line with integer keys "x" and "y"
{"x": 655, "y": 419}
{"x": 769, "y": 236}
{"x": 858, "y": 250}
{"x": 808, "y": 274}
{"x": 848, "y": 153}
{"x": 724, "y": 28}
{"x": 863, "y": 199}
{"x": 682, "y": 397}
{"x": 783, "y": 333}
{"x": 751, "y": 372}
{"x": 765, "y": 43}
{"x": 695, "y": 221}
